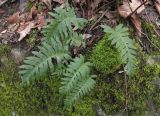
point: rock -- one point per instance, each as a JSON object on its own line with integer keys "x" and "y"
{"x": 154, "y": 60}
{"x": 18, "y": 55}
{"x": 4, "y": 61}
{"x": 99, "y": 111}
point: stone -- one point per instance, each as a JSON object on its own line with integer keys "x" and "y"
{"x": 155, "y": 59}
{"x": 4, "y": 61}
{"x": 99, "y": 110}
{"x": 18, "y": 55}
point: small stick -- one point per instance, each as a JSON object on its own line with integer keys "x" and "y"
{"x": 98, "y": 19}
{"x": 126, "y": 92}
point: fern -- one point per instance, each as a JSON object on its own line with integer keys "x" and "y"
{"x": 61, "y": 25}
{"x": 59, "y": 36}
{"x": 120, "y": 38}
{"x": 37, "y": 65}
{"x": 82, "y": 88}
{"x": 76, "y": 40}
{"x": 77, "y": 80}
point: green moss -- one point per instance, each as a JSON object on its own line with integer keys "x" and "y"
{"x": 29, "y": 5}
{"x": 140, "y": 89}
{"x": 105, "y": 57}
{"x": 32, "y": 38}
{"x": 149, "y": 30}
{"x": 4, "y": 50}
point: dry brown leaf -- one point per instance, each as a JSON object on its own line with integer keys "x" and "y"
{"x": 137, "y": 23}
{"x": 48, "y": 3}
{"x": 26, "y": 31}
{"x": 41, "y": 21}
{"x": 157, "y": 4}
{"x": 128, "y": 7}
{"x": 13, "y": 18}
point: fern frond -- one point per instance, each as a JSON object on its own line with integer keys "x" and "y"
{"x": 77, "y": 80}
{"x": 120, "y": 38}
{"x": 83, "y": 87}
{"x": 37, "y": 65}
{"x": 76, "y": 40}
{"x": 61, "y": 25}
{"x": 75, "y": 71}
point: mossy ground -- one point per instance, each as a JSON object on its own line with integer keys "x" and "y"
{"x": 42, "y": 98}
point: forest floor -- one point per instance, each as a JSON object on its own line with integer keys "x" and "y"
{"x": 22, "y": 22}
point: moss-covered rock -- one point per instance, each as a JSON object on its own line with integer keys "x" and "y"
{"x": 105, "y": 57}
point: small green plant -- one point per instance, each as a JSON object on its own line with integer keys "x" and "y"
{"x": 61, "y": 26}
{"x": 37, "y": 65}
{"x": 120, "y": 38}
{"x": 59, "y": 37}
{"x": 77, "y": 80}
{"x": 105, "y": 57}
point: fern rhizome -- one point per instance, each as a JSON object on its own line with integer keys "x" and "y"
{"x": 59, "y": 36}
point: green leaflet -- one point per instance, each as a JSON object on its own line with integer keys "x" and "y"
{"x": 61, "y": 26}
{"x": 120, "y": 38}
{"x": 36, "y": 66}
{"x": 77, "y": 80}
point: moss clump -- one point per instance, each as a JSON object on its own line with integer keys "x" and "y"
{"x": 105, "y": 57}
{"x": 148, "y": 29}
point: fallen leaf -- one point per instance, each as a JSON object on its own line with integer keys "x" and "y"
{"x": 48, "y": 3}
{"x": 157, "y": 4}
{"x": 41, "y": 21}
{"x": 137, "y": 24}
{"x": 26, "y": 31}
{"x": 13, "y": 18}
{"x": 128, "y": 7}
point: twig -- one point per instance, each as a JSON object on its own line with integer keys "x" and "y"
{"x": 150, "y": 41}
{"x": 126, "y": 93}
{"x": 129, "y": 5}
{"x": 136, "y": 9}
{"x": 98, "y": 19}
{"x": 3, "y": 2}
